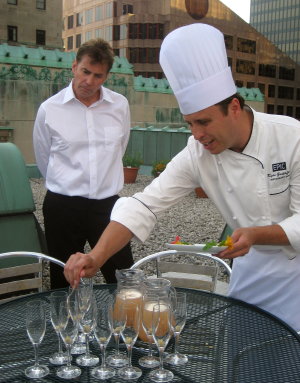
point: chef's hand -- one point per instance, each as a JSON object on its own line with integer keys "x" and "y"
{"x": 80, "y": 265}
{"x": 243, "y": 239}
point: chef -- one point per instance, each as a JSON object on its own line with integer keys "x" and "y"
{"x": 248, "y": 163}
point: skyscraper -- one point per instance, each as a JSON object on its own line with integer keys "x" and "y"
{"x": 279, "y": 21}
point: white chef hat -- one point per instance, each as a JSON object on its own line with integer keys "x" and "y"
{"x": 194, "y": 61}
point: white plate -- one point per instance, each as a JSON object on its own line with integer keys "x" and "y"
{"x": 196, "y": 248}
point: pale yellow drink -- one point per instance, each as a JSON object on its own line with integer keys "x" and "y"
{"x": 128, "y": 299}
{"x": 147, "y": 319}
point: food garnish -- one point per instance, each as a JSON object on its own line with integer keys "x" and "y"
{"x": 178, "y": 241}
{"x": 226, "y": 242}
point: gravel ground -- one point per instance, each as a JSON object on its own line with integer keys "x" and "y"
{"x": 196, "y": 220}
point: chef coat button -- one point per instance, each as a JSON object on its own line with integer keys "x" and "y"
{"x": 234, "y": 217}
{"x": 229, "y": 190}
{"x": 219, "y": 163}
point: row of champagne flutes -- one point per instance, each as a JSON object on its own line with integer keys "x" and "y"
{"x": 79, "y": 311}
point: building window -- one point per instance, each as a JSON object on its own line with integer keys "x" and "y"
{"x": 40, "y": 37}
{"x": 250, "y": 85}
{"x": 79, "y": 19}
{"x": 108, "y": 33}
{"x": 70, "y": 22}
{"x": 146, "y": 31}
{"x": 99, "y": 13}
{"x": 12, "y": 2}
{"x": 286, "y": 92}
{"x": 12, "y": 33}
{"x": 123, "y": 31}
{"x": 99, "y": 33}
{"x": 88, "y": 35}
{"x": 289, "y": 111}
{"x": 298, "y": 93}
{"x": 271, "y": 90}
{"x": 267, "y": 70}
{"x": 143, "y": 55}
{"x": 109, "y": 10}
{"x": 78, "y": 40}
{"x": 280, "y": 109}
{"x": 229, "y": 61}
{"x": 116, "y": 32}
{"x": 127, "y": 8}
{"x": 286, "y": 74}
{"x": 89, "y": 16}
{"x": 228, "y": 41}
{"x": 70, "y": 43}
{"x": 239, "y": 83}
{"x": 261, "y": 87}
{"x": 270, "y": 109}
{"x": 246, "y": 46}
{"x": 297, "y": 113}
{"x": 41, "y": 4}
{"x": 245, "y": 67}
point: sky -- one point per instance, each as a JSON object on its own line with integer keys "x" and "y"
{"x": 240, "y": 7}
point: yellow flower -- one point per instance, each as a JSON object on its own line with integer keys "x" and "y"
{"x": 229, "y": 242}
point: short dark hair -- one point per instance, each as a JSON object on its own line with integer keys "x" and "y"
{"x": 224, "y": 104}
{"x": 98, "y": 50}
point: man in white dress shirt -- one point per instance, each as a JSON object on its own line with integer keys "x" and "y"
{"x": 248, "y": 164}
{"x": 80, "y": 136}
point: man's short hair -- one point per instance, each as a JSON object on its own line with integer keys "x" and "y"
{"x": 224, "y": 104}
{"x": 98, "y": 50}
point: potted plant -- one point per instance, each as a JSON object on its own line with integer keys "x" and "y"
{"x": 131, "y": 166}
{"x": 158, "y": 167}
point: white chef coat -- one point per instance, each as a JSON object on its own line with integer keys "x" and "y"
{"x": 258, "y": 187}
{"x": 79, "y": 149}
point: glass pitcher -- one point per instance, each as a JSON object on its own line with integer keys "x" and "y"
{"x": 156, "y": 290}
{"x": 129, "y": 289}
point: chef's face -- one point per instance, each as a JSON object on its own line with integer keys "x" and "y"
{"x": 215, "y": 130}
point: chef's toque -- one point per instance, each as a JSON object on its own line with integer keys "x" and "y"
{"x": 194, "y": 61}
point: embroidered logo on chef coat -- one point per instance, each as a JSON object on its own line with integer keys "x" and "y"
{"x": 278, "y": 167}
{"x": 279, "y": 178}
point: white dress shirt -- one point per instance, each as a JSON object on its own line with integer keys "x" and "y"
{"x": 79, "y": 149}
{"x": 258, "y": 187}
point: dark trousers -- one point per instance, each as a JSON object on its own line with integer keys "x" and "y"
{"x": 70, "y": 222}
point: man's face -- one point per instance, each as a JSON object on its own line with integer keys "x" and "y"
{"x": 88, "y": 77}
{"x": 216, "y": 131}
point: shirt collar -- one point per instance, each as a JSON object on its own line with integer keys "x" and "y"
{"x": 69, "y": 95}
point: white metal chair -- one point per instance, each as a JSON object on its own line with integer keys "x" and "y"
{"x": 202, "y": 276}
{"x": 21, "y": 279}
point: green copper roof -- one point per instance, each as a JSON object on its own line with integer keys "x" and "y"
{"x": 251, "y": 94}
{"x": 151, "y": 84}
{"x": 10, "y": 54}
{"x": 51, "y": 58}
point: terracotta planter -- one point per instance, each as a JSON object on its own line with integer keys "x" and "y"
{"x": 200, "y": 193}
{"x": 130, "y": 175}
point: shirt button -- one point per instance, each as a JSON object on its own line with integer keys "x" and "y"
{"x": 219, "y": 163}
{"x": 229, "y": 190}
{"x": 234, "y": 217}
{"x": 264, "y": 217}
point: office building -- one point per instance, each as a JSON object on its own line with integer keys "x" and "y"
{"x": 136, "y": 28}
{"x": 279, "y": 21}
{"x": 31, "y": 23}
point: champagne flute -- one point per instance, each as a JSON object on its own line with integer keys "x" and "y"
{"x": 161, "y": 331}
{"x": 118, "y": 322}
{"x": 68, "y": 332}
{"x": 178, "y": 323}
{"x": 78, "y": 346}
{"x": 148, "y": 361}
{"x": 87, "y": 324}
{"x": 36, "y": 327}
{"x": 103, "y": 333}
{"x": 129, "y": 334}
{"x": 56, "y": 298}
